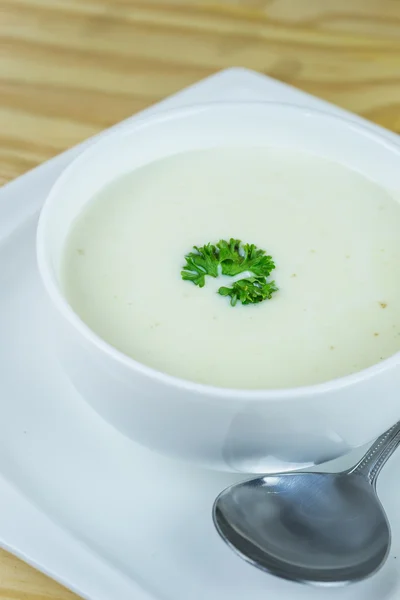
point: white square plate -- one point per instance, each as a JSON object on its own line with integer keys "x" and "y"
{"x": 107, "y": 518}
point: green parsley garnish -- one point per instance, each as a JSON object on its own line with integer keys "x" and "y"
{"x": 203, "y": 262}
{"x": 232, "y": 258}
{"x": 236, "y": 258}
{"x": 249, "y": 290}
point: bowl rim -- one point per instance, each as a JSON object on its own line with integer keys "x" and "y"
{"x": 63, "y": 307}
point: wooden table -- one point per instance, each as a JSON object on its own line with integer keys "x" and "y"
{"x": 69, "y": 68}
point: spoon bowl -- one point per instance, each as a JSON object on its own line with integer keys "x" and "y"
{"x": 320, "y": 528}
{"x": 316, "y": 527}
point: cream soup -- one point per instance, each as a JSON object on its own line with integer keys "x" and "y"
{"x": 334, "y": 236}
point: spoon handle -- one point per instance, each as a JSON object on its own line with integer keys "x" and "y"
{"x": 373, "y": 460}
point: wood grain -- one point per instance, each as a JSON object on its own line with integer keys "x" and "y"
{"x": 69, "y": 68}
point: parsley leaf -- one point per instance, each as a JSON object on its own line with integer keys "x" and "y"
{"x": 249, "y": 290}
{"x": 235, "y": 258}
{"x": 204, "y": 261}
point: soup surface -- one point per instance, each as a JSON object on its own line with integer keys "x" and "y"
{"x": 334, "y": 236}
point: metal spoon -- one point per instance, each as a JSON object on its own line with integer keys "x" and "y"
{"x": 321, "y": 528}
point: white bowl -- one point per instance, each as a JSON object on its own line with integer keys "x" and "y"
{"x": 225, "y": 429}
